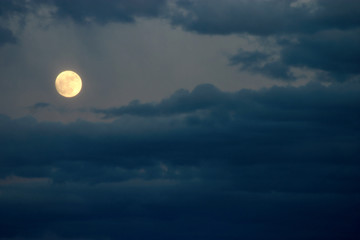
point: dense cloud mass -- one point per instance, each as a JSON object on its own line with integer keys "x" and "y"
{"x": 276, "y": 163}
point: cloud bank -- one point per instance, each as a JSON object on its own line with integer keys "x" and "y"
{"x": 199, "y": 164}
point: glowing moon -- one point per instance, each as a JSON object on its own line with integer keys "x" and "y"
{"x": 68, "y": 84}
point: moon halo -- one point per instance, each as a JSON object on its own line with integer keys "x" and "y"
{"x": 68, "y": 84}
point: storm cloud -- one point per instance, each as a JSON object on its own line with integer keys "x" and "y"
{"x": 204, "y": 161}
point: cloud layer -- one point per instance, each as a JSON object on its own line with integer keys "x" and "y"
{"x": 200, "y": 164}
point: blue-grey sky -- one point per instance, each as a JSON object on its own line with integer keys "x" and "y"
{"x": 198, "y": 119}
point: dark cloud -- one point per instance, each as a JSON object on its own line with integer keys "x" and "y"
{"x": 334, "y": 53}
{"x": 109, "y": 11}
{"x": 209, "y": 102}
{"x": 81, "y": 11}
{"x": 43, "y": 107}
{"x": 262, "y": 63}
{"x": 196, "y": 165}
{"x": 87, "y": 11}
{"x": 38, "y": 106}
{"x": 325, "y": 34}
{"x": 266, "y": 17}
{"x": 202, "y": 97}
{"x": 7, "y": 10}
{"x": 6, "y": 36}
{"x": 9, "y": 7}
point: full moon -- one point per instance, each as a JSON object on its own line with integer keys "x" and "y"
{"x": 68, "y": 84}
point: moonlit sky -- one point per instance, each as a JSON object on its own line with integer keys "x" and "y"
{"x": 197, "y": 119}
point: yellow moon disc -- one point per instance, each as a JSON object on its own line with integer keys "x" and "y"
{"x": 68, "y": 84}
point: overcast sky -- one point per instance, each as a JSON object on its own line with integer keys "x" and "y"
{"x": 198, "y": 119}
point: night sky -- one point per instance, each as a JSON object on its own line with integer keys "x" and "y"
{"x": 197, "y": 120}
